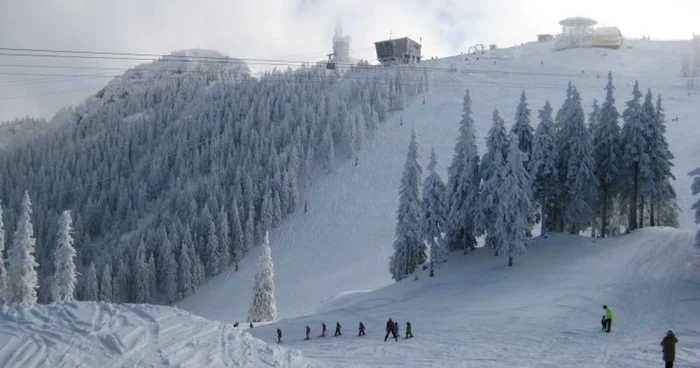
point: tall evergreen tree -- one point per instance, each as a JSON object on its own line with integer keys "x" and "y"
{"x": 635, "y": 160}
{"x": 514, "y": 207}
{"x": 492, "y": 165}
{"x": 523, "y": 129}
{"x": 4, "y": 296}
{"x": 106, "y": 293}
{"x": 606, "y": 143}
{"x": 434, "y": 212}
{"x": 409, "y": 249}
{"x": 142, "y": 276}
{"x": 656, "y": 188}
{"x": 90, "y": 287}
{"x": 64, "y": 278}
{"x": 224, "y": 239}
{"x": 167, "y": 270}
{"x": 544, "y": 155}
{"x": 212, "y": 255}
{"x": 185, "y": 277}
{"x": 264, "y": 305}
{"x": 463, "y": 178}
{"x": 21, "y": 272}
{"x": 237, "y": 246}
{"x": 576, "y": 168}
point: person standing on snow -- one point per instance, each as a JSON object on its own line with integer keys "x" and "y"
{"x": 669, "y": 347}
{"x": 608, "y": 318}
{"x": 390, "y": 330}
{"x": 396, "y": 329}
{"x": 308, "y": 331}
{"x": 337, "y": 329}
{"x": 279, "y": 335}
{"x": 323, "y": 329}
{"x": 409, "y": 332}
{"x": 361, "y": 329}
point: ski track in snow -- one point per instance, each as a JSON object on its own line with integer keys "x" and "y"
{"x": 81, "y": 334}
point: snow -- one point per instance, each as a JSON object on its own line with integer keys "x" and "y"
{"x": 344, "y": 241}
{"x": 87, "y": 334}
{"x": 543, "y": 312}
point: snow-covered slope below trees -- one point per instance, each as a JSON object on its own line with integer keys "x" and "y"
{"x": 86, "y": 334}
{"x": 344, "y": 242}
{"x": 544, "y": 312}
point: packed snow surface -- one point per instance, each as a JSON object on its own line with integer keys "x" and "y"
{"x": 543, "y": 312}
{"x": 344, "y": 241}
{"x": 84, "y": 334}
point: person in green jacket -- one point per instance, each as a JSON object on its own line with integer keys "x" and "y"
{"x": 608, "y": 318}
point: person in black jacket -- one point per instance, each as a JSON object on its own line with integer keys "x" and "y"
{"x": 337, "y": 329}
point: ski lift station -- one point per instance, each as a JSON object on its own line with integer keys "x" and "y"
{"x": 398, "y": 51}
{"x": 579, "y": 32}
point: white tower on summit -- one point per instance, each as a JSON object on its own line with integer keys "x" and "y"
{"x": 341, "y": 45}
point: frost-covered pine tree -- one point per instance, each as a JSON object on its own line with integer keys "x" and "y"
{"x": 106, "y": 293}
{"x": 266, "y": 211}
{"x": 142, "y": 277}
{"x": 237, "y": 247}
{"x": 492, "y": 165}
{"x": 21, "y": 271}
{"x": 654, "y": 188}
{"x": 695, "y": 190}
{"x": 523, "y": 129}
{"x": 64, "y": 277}
{"x": 409, "y": 248}
{"x": 514, "y": 206}
{"x": 606, "y": 143}
{"x": 544, "y": 155}
{"x": 434, "y": 213}
{"x": 634, "y": 158}
{"x": 3, "y": 272}
{"x": 167, "y": 270}
{"x": 575, "y": 165}
{"x": 184, "y": 270}
{"x": 664, "y": 211}
{"x": 224, "y": 240}
{"x": 212, "y": 256}
{"x": 264, "y": 305}
{"x": 90, "y": 287}
{"x": 463, "y": 178}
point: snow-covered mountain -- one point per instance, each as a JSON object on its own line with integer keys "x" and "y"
{"x": 344, "y": 242}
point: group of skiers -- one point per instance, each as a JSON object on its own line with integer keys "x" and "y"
{"x": 391, "y": 328}
{"x": 668, "y": 343}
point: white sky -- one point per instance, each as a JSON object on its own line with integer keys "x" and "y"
{"x": 291, "y": 29}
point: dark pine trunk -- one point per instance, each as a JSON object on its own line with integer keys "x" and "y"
{"x": 641, "y": 212}
{"x": 633, "y": 205}
{"x": 510, "y": 261}
{"x": 652, "y": 220}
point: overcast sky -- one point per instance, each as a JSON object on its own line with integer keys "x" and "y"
{"x": 289, "y": 29}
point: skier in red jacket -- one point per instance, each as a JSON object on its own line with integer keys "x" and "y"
{"x": 361, "y": 329}
{"x": 308, "y": 331}
{"x": 390, "y": 330}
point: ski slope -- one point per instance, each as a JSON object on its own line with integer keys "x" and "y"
{"x": 544, "y": 312}
{"x": 344, "y": 242}
{"x": 107, "y": 335}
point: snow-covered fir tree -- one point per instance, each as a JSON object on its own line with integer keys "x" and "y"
{"x": 544, "y": 155}
{"x": 21, "y": 270}
{"x": 65, "y": 278}
{"x": 605, "y": 132}
{"x": 142, "y": 276}
{"x": 463, "y": 178}
{"x": 575, "y": 166}
{"x": 212, "y": 255}
{"x": 409, "y": 248}
{"x": 236, "y": 233}
{"x": 167, "y": 269}
{"x": 634, "y": 157}
{"x": 184, "y": 271}
{"x": 514, "y": 206}
{"x": 3, "y": 272}
{"x": 653, "y": 188}
{"x": 106, "y": 293}
{"x": 523, "y": 129}
{"x": 492, "y": 165}
{"x": 695, "y": 190}
{"x": 264, "y": 306}
{"x": 434, "y": 213}
{"x": 90, "y": 287}
{"x": 224, "y": 239}
{"x": 665, "y": 209}
{"x": 122, "y": 288}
